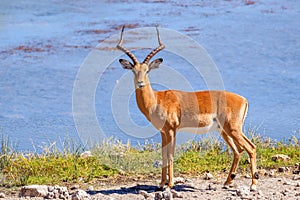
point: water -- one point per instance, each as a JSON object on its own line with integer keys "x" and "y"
{"x": 256, "y": 48}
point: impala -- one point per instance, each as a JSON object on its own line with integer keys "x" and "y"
{"x": 171, "y": 111}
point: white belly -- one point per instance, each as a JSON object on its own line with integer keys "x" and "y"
{"x": 201, "y": 130}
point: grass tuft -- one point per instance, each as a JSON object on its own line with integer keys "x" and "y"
{"x": 128, "y": 159}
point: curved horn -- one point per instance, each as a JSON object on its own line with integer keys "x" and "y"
{"x": 155, "y": 51}
{"x": 128, "y": 53}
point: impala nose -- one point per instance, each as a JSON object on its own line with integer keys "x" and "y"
{"x": 140, "y": 84}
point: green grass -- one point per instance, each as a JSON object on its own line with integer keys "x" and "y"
{"x": 53, "y": 169}
{"x": 113, "y": 158}
{"x": 213, "y": 155}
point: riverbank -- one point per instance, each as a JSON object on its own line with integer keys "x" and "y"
{"x": 115, "y": 169}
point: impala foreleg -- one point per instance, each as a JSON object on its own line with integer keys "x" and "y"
{"x": 164, "y": 160}
{"x": 171, "y": 149}
{"x": 168, "y": 148}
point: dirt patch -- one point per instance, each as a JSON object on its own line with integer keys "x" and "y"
{"x": 277, "y": 186}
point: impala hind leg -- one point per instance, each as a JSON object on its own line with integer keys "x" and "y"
{"x": 237, "y": 152}
{"x": 252, "y": 155}
{"x": 241, "y": 140}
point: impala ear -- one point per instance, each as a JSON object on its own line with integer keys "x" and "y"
{"x": 126, "y": 64}
{"x": 155, "y": 63}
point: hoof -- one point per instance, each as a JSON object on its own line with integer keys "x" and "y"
{"x": 159, "y": 189}
{"x": 253, "y": 188}
{"x": 227, "y": 186}
{"x": 170, "y": 186}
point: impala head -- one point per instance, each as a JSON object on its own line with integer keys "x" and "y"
{"x": 140, "y": 70}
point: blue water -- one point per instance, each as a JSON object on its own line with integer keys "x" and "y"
{"x": 43, "y": 44}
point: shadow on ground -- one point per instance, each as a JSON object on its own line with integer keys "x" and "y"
{"x": 136, "y": 189}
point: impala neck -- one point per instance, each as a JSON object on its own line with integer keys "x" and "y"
{"x": 146, "y": 99}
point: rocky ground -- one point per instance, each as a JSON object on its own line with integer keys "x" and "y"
{"x": 273, "y": 184}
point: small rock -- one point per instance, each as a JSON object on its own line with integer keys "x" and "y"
{"x": 2, "y": 195}
{"x": 296, "y": 172}
{"x": 287, "y": 183}
{"x": 55, "y": 194}
{"x": 298, "y": 184}
{"x": 158, "y": 196}
{"x": 283, "y": 169}
{"x": 62, "y": 196}
{"x": 86, "y": 154}
{"x": 80, "y": 195}
{"x": 90, "y": 188}
{"x": 50, "y": 195}
{"x": 34, "y": 191}
{"x": 262, "y": 172}
{"x": 74, "y": 187}
{"x": 62, "y": 191}
{"x": 272, "y": 172}
{"x": 208, "y": 176}
{"x": 50, "y": 188}
{"x": 187, "y": 180}
{"x": 176, "y": 194}
{"x": 178, "y": 180}
{"x": 167, "y": 195}
{"x": 247, "y": 176}
{"x": 243, "y": 192}
{"x": 145, "y": 194}
{"x": 280, "y": 157}
{"x": 297, "y": 169}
